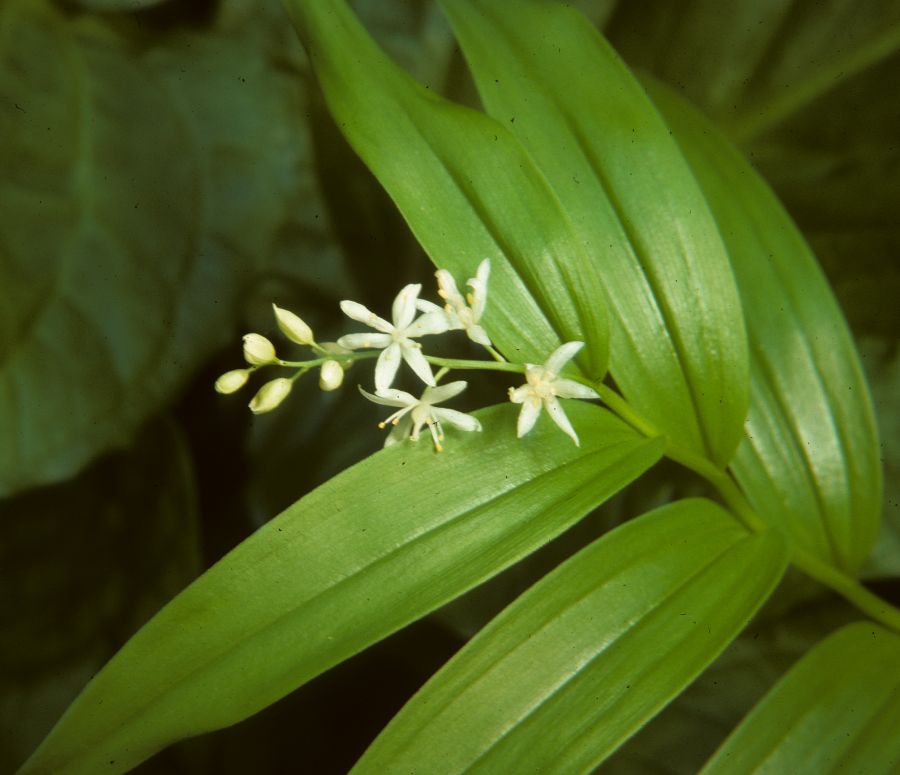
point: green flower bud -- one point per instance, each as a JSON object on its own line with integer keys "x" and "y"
{"x": 293, "y": 326}
{"x": 232, "y": 381}
{"x": 270, "y": 395}
{"x": 258, "y": 351}
{"x": 331, "y": 375}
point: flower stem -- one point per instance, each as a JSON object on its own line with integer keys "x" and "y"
{"x": 494, "y": 354}
{"x": 461, "y": 363}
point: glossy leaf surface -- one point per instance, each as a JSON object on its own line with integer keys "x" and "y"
{"x": 836, "y": 711}
{"x": 578, "y": 663}
{"x": 678, "y": 349}
{"x": 373, "y": 549}
{"x": 468, "y": 190}
{"x": 809, "y": 462}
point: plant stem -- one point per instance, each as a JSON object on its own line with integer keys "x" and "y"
{"x": 494, "y": 354}
{"x": 826, "y": 574}
{"x": 461, "y": 363}
{"x": 849, "y": 588}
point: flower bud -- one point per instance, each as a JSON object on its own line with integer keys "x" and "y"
{"x": 232, "y": 381}
{"x": 258, "y": 351}
{"x": 270, "y": 395}
{"x": 331, "y": 375}
{"x": 292, "y": 326}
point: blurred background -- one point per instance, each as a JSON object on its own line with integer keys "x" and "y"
{"x": 168, "y": 170}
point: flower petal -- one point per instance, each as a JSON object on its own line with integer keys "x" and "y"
{"x": 478, "y": 335}
{"x": 399, "y": 432}
{"x": 521, "y": 393}
{"x": 404, "y": 309}
{"x": 390, "y": 397}
{"x": 413, "y": 356}
{"x": 531, "y": 408}
{"x": 423, "y": 305}
{"x": 461, "y": 420}
{"x": 355, "y": 341}
{"x": 270, "y": 395}
{"x": 555, "y": 410}
{"x": 478, "y": 284}
{"x": 386, "y": 367}
{"x": 569, "y": 388}
{"x": 447, "y": 289}
{"x": 429, "y": 323}
{"x": 358, "y": 312}
{"x": 441, "y": 393}
{"x": 562, "y": 355}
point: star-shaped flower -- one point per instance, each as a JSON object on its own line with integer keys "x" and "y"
{"x": 395, "y": 339}
{"x": 416, "y": 412}
{"x": 543, "y": 388}
{"x": 463, "y": 313}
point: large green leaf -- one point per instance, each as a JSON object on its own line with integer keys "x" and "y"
{"x": 687, "y": 733}
{"x": 467, "y": 189}
{"x": 753, "y": 64}
{"x": 678, "y": 349}
{"x": 836, "y": 711}
{"x": 812, "y": 93}
{"x": 809, "y": 461}
{"x": 578, "y": 663}
{"x": 378, "y": 546}
{"x": 142, "y": 185}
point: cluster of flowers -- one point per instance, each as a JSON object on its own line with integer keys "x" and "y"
{"x": 396, "y": 340}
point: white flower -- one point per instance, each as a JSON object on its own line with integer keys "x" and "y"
{"x": 232, "y": 381}
{"x": 293, "y": 326}
{"x": 395, "y": 339}
{"x": 258, "y": 351}
{"x": 542, "y": 389}
{"x": 331, "y": 375}
{"x": 270, "y": 395}
{"x": 416, "y": 412}
{"x": 463, "y": 313}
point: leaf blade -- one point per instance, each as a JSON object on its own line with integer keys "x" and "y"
{"x": 809, "y": 461}
{"x": 678, "y": 348}
{"x": 859, "y": 705}
{"x": 336, "y": 572}
{"x": 580, "y": 661}
{"x": 467, "y": 189}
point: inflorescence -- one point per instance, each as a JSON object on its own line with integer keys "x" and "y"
{"x": 411, "y": 319}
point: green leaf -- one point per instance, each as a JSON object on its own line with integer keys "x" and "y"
{"x": 809, "y": 462}
{"x": 120, "y": 6}
{"x": 140, "y": 190}
{"x": 589, "y": 654}
{"x": 678, "y": 348}
{"x": 753, "y": 65}
{"x": 882, "y": 360}
{"x": 467, "y": 189}
{"x": 373, "y": 549}
{"x": 812, "y": 92}
{"x": 836, "y": 711}
{"x": 687, "y": 733}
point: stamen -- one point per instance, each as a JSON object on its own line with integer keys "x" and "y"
{"x": 436, "y": 434}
